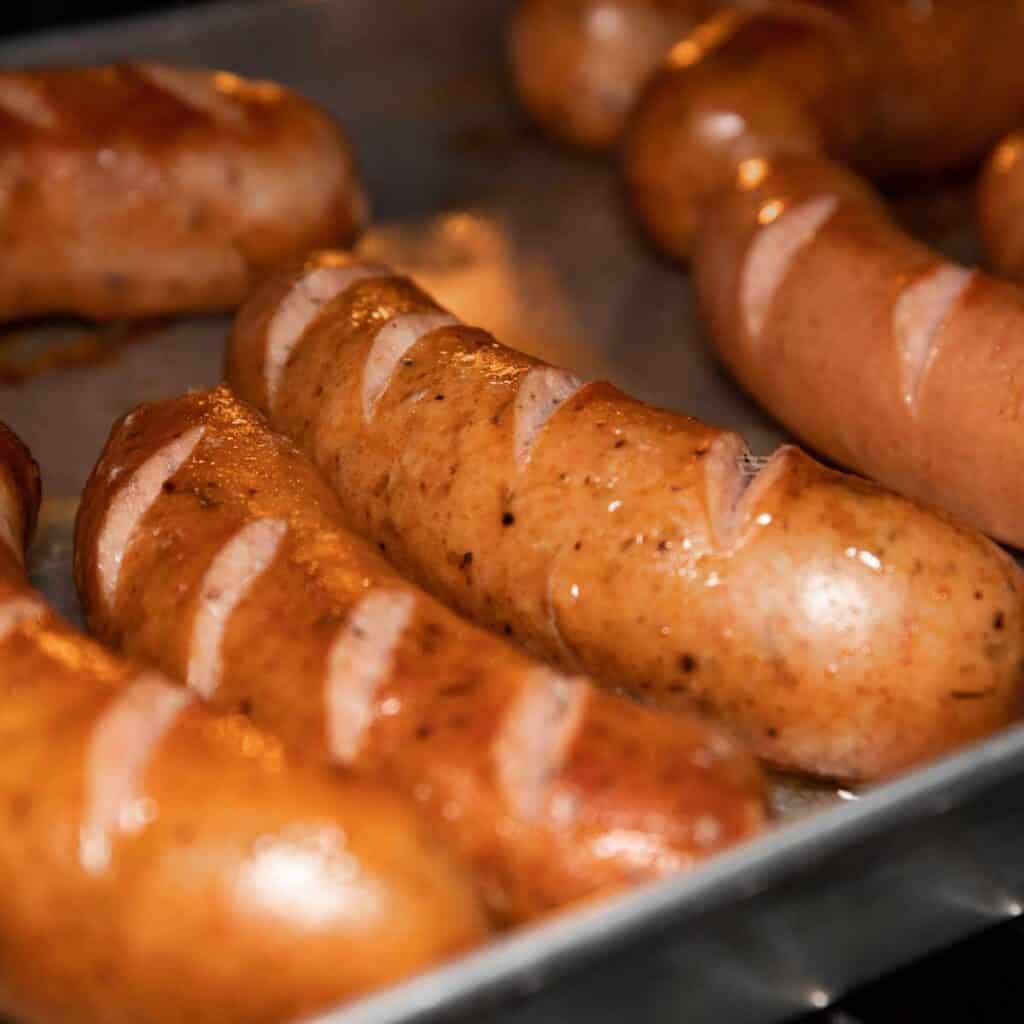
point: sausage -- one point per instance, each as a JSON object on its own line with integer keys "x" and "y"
{"x": 919, "y": 382}
{"x": 872, "y": 82}
{"x": 579, "y": 65}
{"x": 164, "y": 864}
{"x": 842, "y": 630}
{"x": 148, "y": 189}
{"x": 918, "y": 385}
{"x": 1000, "y": 207}
{"x": 211, "y": 546}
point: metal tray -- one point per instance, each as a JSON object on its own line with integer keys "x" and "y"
{"x": 533, "y": 243}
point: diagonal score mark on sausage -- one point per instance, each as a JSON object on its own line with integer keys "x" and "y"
{"x": 121, "y": 747}
{"x": 921, "y": 311}
{"x": 300, "y": 307}
{"x": 540, "y": 394}
{"x": 22, "y": 99}
{"x": 735, "y": 482}
{"x": 390, "y": 343}
{"x": 16, "y": 612}
{"x": 360, "y": 660}
{"x": 132, "y": 502}
{"x": 10, "y": 517}
{"x": 198, "y": 89}
{"x": 536, "y": 738}
{"x": 772, "y": 253}
{"x": 232, "y": 573}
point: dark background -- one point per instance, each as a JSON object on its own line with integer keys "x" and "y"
{"x": 37, "y": 14}
{"x": 977, "y": 982}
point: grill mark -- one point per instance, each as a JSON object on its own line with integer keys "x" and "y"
{"x": 234, "y": 570}
{"x": 130, "y": 505}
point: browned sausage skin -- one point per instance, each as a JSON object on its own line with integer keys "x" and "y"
{"x": 842, "y": 630}
{"x": 149, "y": 189}
{"x": 875, "y": 82}
{"x": 157, "y": 858}
{"x": 579, "y": 65}
{"x": 865, "y": 343}
{"x": 212, "y": 546}
{"x": 1000, "y": 207}
{"x": 20, "y": 494}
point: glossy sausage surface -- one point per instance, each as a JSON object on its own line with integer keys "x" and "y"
{"x": 579, "y": 65}
{"x": 146, "y": 189}
{"x": 869, "y": 346}
{"x": 1000, "y": 207}
{"x": 842, "y": 630}
{"x": 877, "y": 83}
{"x": 237, "y": 575}
{"x": 164, "y": 864}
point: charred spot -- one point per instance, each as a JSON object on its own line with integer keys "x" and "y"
{"x": 245, "y": 706}
{"x": 663, "y": 545}
{"x": 438, "y": 398}
{"x": 382, "y": 547}
{"x": 198, "y": 217}
{"x": 978, "y": 595}
{"x": 168, "y": 487}
{"x": 20, "y": 806}
{"x": 676, "y": 688}
{"x": 621, "y": 443}
{"x": 700, "y": 452}
{"x": 433, "y": 634}
{"x": 507, "y": 630}
{"x": 184, "y": 834}
{"x": 115, "y": 282}
{"x": 578, "y": 545}
{"x": 771, "y": 732}
{"x": 252, "y": 492}
{"x": 319, "y": 390}
{"x": 458, "y": 689}
{"x": 998, "y": 621}
{"x": 508, "y": 519}
{"x": 687, "y": 663}
{"x": 408, "y": 362}
{"x": 467, "y": 560}
{"x": 424, "y": 731}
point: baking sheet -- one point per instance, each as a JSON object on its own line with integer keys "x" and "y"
{"x": 534, "y": 244}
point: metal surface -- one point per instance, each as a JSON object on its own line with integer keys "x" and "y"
{"x": 534, "y": 244}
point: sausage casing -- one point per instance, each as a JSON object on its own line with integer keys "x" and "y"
{"x": 149, "y": 189}
{"x": 212, "y": 546}
{"x": 841, "y": 629}
{"x": 164, "y": 864}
